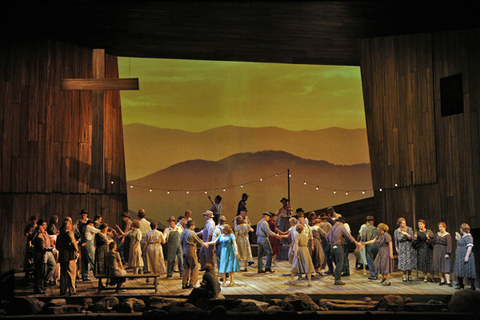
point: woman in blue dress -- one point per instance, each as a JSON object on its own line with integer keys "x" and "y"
{"x": 464, "y": 258}
{"x": 228, "y": 256}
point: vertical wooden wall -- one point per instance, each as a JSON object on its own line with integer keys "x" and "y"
{"x": 45, "y": 140}
{"x": 407, "y": 134}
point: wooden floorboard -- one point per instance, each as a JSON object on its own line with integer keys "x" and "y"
{"x": 263, "y": 286}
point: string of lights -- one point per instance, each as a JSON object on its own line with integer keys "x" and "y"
{"x": 206, "y": 191}
{"x": 241, "y": 185}
{"x": 335, "y": 191}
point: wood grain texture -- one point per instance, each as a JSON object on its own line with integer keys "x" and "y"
{"x": 46, "y": 140}
{"x": 407, "y": 134}
{"x": 99, "y": 84}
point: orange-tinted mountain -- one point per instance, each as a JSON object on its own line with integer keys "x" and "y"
{"x": 149, "y": 149}
{"x": 247, "y": 169}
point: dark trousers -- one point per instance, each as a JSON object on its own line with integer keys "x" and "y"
{"x": 346, "y": 262}
{"x": 326, "y": 250}
{"x": 173, "y": 252}
{"x": 39, "y": 274}
{"x": 338, "y": 253}
{"x": 371, "y": 251}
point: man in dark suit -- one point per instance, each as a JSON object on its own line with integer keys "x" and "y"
{"x": 68, "y": 251}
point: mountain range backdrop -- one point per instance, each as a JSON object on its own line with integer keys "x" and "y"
{"x": 172, "y": 162}
{"x": 205, "y": 126}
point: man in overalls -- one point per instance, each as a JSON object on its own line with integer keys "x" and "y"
{"x": 172, "y": 235}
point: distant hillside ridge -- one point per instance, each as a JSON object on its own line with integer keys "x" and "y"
{"x": 244, "y": 171}
{"x": 150, "y": 149}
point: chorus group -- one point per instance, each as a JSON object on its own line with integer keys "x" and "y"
{"x": 318, "y": 245}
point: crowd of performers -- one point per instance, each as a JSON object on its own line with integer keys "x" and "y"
{"x": 318, "y": 245}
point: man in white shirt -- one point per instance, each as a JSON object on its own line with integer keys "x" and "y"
{"x": 88, "y": 248}
{"x": 144, "y": 228}
{"x": 263, "y": 231}
{"x": 206, "y": 254}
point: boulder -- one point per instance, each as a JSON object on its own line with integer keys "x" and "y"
{"x": 275, "y": 302}
{"x": 279, "y": 312}
{"x": 348, "y": 305}
{"x": 155, "y": 314}
{"x": 106, "y": 304}
{"x": 25, "y": 306}
{"x": 188, "y": 311}
{"x": 67, "y": 308}
{"x": 245, "y": 308}
{"x": 260, "y": 304}
{"x": 165, "y": 303}
{"x": 218, "y": 312}
{"x": 299, "y": 302}
{"x": 465, "y": 301}
{"x": 132, "y": 305}
{"x": 432, "y": 305}
{"x": 86, "y": 303}
{"x": 390, "y": 303}
{"x": 227, "y": 303}
{"x": 56, "y": 302}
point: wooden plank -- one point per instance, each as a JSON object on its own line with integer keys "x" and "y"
{"x": 99, "y": 84}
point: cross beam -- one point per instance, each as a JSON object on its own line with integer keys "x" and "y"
{"x": 98, "y": 84}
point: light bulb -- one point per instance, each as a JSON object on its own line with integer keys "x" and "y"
{"x": 151, "y": 190}
{"x": 316, "y": 188}
{"x": 334, "y": 191}
{"x": 346, "y": 193}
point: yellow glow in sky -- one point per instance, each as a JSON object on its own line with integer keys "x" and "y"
{"x": 199, "y": 95}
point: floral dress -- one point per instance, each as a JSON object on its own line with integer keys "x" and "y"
{"x": 407, "y": 255}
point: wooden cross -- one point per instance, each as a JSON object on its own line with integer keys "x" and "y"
{"x": 98, "y": 84}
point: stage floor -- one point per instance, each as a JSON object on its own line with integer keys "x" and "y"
{"x": 271, "y": 285}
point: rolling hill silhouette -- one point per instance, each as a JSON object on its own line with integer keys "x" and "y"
{"x": 149, "y": 149}
{"x": 196, "y": 176}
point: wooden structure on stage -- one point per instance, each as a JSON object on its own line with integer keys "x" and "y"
{"x": 409, "y": 58}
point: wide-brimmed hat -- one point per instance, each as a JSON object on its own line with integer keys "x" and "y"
{"x": 369, "y": 218}
{"x": 208, "y": 213}
{"x": 171, "y": 218}
{"x": 284, "y": 199}
{"x": 83, "y": 212}
{"x": 190, "y": 223}
{"x": 342, "y": 219}
{"x": 299, "y": 210}
{"x": 126, "y": 214}
{"x": 267, "y": 214}
{"x": 323, "y": 216}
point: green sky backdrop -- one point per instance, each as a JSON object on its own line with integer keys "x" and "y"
{"x": 199, "y": 95}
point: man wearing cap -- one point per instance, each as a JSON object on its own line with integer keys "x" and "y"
{"x": 283, "y": 215}
{"x": 336, "y": 239}
{"x": 326, "y": 226}
{"x": 206, "y": 253}
{"x": 126, "y": 226}
{"x": 242, "y": 205}
{"x": 263, "y": 231}
{"x": 172, "y": 235}
{"x": 189, "y": 240}
{"x": 216, "y": 207}
{"x": 370, "y": 232}
{"x": 332, "y": 215}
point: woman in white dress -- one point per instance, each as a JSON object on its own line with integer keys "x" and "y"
{"x": 243, "y": 244}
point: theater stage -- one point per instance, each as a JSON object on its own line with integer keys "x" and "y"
{"x": 266, "y": 286}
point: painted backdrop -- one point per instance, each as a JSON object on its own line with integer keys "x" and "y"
{"x": 199, "y": 128}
